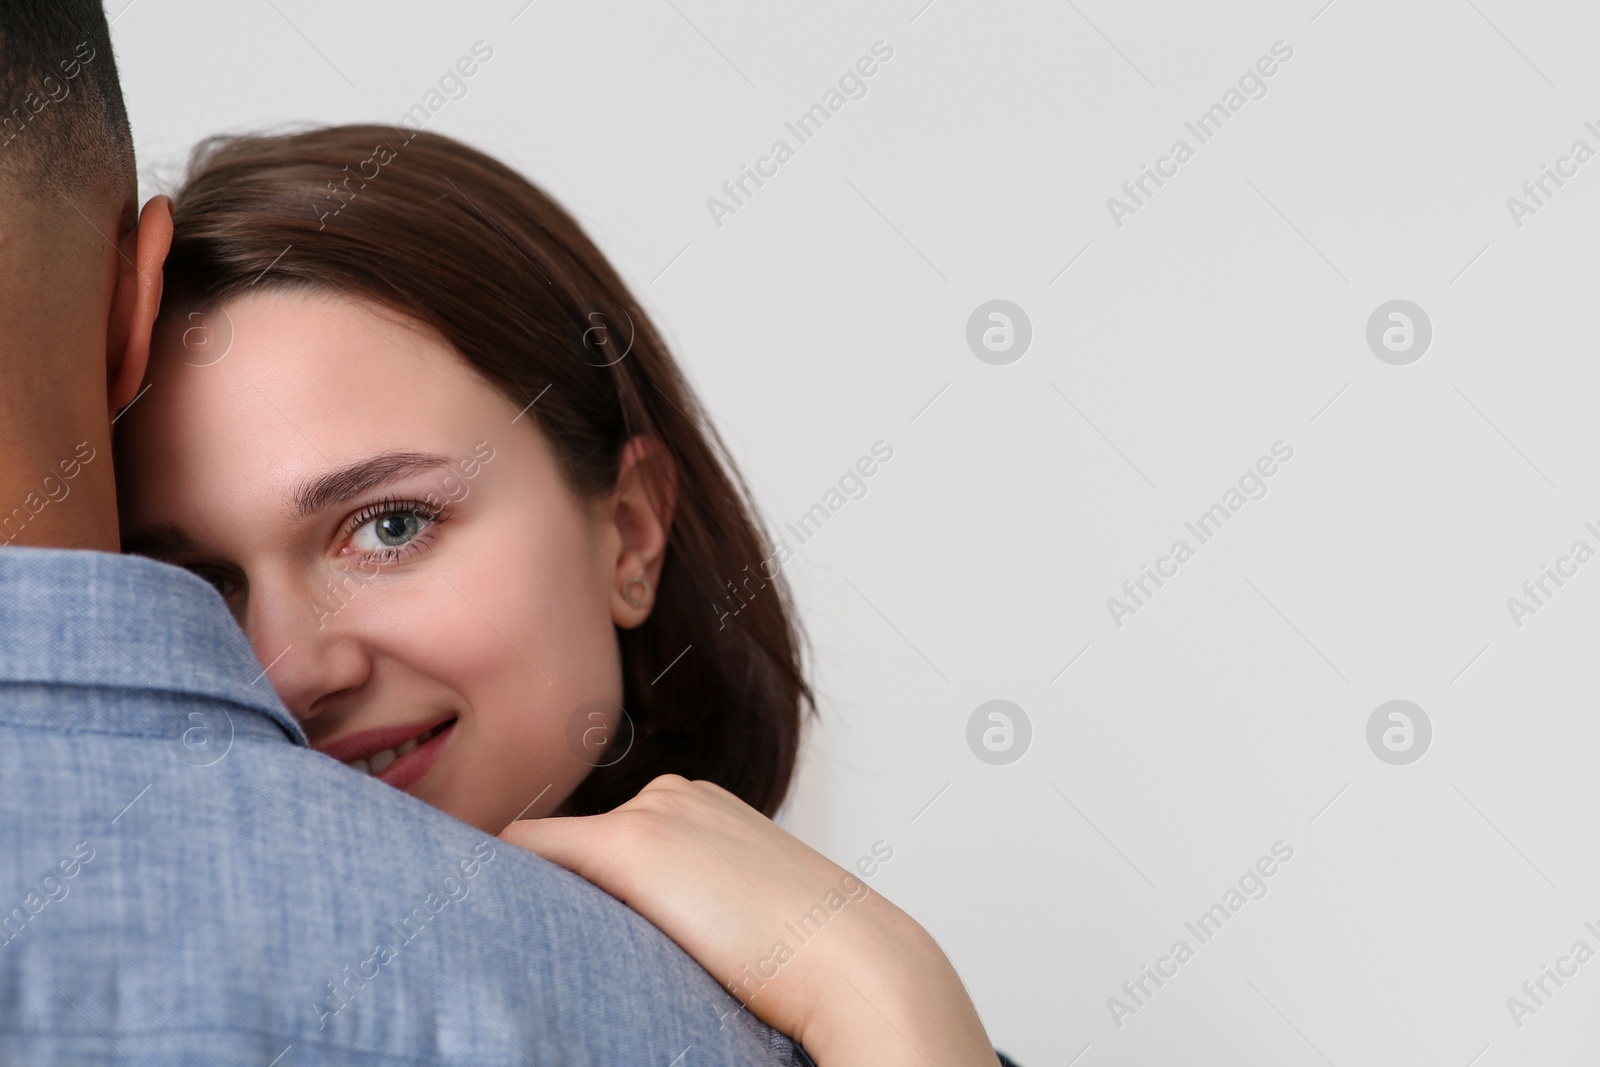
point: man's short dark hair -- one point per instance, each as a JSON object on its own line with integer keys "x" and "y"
{"x": 62, "y": 119}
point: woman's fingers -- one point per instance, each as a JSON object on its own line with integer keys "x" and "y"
{"x": 722, "y": 880}
{"x": 585, "y": 845}
{"x": 748, "y": 900}
{"x": 566, "y": 841}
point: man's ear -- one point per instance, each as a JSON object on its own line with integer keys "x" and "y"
{"x": 136, "y": 301}
{"x": 641, "y": 509}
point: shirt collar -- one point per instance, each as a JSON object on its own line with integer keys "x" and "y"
{"x": 73, "y": 617}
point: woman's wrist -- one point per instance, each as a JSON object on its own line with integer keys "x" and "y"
{"x": 892, "y": 997}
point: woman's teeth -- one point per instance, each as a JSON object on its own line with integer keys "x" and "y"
{"x": 379, "y": 762}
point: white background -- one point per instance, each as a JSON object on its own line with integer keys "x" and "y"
{"x": 1227, "y": 314}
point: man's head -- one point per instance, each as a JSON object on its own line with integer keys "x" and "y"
{"x": 64, "y": 125}
{"x": 80, "y": 267}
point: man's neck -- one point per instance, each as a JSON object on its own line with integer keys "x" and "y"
{"x": 56, "y": 483}
{"x": 58, "y": 493}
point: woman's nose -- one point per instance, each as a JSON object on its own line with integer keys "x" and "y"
{"x": 307, "y": 643}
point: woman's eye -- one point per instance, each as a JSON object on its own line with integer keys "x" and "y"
{"x": 391, "y": 530}
{"x": 222, "y": 582}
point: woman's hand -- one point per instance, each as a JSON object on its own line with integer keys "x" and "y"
{"x": 805, "y": 944}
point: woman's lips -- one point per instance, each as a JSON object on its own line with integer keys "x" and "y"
{"x": 397, "y": 755}
{"x": 406, "y": 771}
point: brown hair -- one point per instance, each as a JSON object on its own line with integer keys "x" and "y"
{"x": 453, "y": 239}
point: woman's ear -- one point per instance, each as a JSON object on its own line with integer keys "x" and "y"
{"x": 136, "y": 301}
{"x": 640, "y": 509}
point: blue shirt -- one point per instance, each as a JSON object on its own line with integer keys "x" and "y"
{"x": 184, "y": 881}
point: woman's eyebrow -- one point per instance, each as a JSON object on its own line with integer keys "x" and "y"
{"x": 336, "y": 487}
{"x": 159, "y": 542}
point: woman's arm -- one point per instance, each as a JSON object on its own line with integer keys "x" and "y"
{"x": 803, "y": 943}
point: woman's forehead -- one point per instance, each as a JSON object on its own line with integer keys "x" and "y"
{"x": 304, "y": 383}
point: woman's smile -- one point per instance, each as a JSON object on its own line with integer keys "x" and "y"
{"x": 400, "y": 756}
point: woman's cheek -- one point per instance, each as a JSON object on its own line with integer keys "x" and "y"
{"x": 553, "y": 637}
{"x": 524, "y": 675}
{"x": 530, "y": 642}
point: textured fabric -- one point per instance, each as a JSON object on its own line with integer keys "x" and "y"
{"x": 183, "y": 881}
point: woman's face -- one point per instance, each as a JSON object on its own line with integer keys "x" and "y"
{"x": 392, "y": 533}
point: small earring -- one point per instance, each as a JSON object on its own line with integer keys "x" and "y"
{"x": 628, "y": 595}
